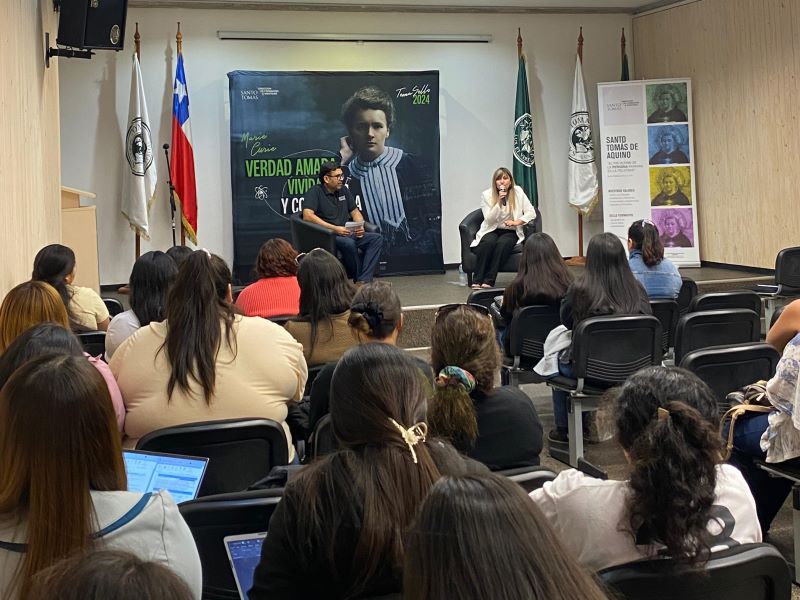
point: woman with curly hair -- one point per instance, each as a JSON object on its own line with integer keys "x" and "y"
{"x": 276, "y": 293}
{"x": 680, "y": 500}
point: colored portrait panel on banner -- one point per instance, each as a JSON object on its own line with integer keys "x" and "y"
{"x": 382, "y": 127}
{"x": 648, "y": 162}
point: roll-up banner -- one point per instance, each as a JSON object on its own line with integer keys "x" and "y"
{"x": 284, "y": 124}
{"x": 647, "y": 155}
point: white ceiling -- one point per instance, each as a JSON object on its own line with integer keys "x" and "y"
{"x": 415, "y": 5}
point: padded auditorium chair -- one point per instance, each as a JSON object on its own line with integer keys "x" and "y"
{"x": 529, "y": 478}
{"x": 213, "y": 518}
{"x": 666, "y": 311}
{"x": 468, "y": 229}
{"x": 728, "y": 368}
{"x": 605, "y": 352}
{"x": 322, "y": 440}
{"x": 687, "y": 292}
{"x": 524, "y": 342}
{"x": 93, "y": 342}
{"x": 744, "y": 572}
{"x": 306, "y": 235}
{"x": 485, "y": 297}
{"x": 239, "y": 451}
{"x": 787, "y": 282}
{"x": 724, "y": 300}
{"x": 708, "y": 328}
{"x": 114, "y": 306}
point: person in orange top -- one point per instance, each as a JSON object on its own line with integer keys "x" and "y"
{"x": 276, "y": 292}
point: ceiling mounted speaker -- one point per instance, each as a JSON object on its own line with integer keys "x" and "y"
{"x": 92, "y": 24}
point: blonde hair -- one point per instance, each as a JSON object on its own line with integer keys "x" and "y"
{"x": 29, "y": 304}
{"x": 510, "y": 198}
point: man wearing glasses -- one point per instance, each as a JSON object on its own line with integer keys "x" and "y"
{"x": 331, "y": 205}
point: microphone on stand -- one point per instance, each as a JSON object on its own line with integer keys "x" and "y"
{"x": 171, "y": 192}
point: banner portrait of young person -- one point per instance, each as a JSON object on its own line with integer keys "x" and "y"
{"x": 382, "y": 127}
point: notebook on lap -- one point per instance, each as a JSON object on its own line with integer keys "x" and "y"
{"x": 181, "y": 476}
{"x": 244, "y": 552}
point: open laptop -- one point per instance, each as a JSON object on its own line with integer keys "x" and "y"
{"x": 181, "y": 476}
{"x": 244, "y": 552}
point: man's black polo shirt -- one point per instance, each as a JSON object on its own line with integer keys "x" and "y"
{"x": 331, "y": 207}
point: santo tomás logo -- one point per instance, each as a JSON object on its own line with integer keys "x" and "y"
{"x": 523, "y": 140}
{"x": 581, "y": 147}
{"x": 138, "y": 147}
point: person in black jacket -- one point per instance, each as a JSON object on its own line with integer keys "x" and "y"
{"x": 606, "y": 287}
{"x": 497, "y": 426}
{"x": 340, "y": 530}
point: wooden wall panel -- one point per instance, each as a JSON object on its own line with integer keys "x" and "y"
{"x": 744, "y": 60}
{"x": 30, "y": 166}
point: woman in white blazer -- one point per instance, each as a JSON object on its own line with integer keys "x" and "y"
{"x": 506, "y": 209}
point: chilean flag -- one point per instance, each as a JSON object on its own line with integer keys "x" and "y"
{"x": 182, "y": 160}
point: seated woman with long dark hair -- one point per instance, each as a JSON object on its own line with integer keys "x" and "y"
{"x": 63, "y": 481}
{"x": 325, "y": 296}
{"x": 55, "y": 264}
{"x": 53, "y": 338}
{"x": 205, "y": 363}
{"x": 606, "y": 287}
{"x": 497, "y": 426}
{"x": 506, "y": 209}
{"x": 658, "y": 275}
{"x": 276, "y": 292}
{"x": 149, "y": 282}
{"x": 479, "y": 537}
{"x": 341, "y": 528}
{"x": 679, "y": 500}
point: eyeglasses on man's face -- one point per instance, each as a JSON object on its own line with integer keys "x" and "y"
{"x": 338, "y": 175}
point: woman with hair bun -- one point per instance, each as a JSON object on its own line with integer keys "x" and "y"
{"x": 375, "y": 316}
{"x": 658, "y": 275}
{"x": 204, "y": 362}
{"x": 341, "y": 528}
{"x": 479, "y": 537}
{"x": 497, "y": 426}
{"x": 680, "y": 500}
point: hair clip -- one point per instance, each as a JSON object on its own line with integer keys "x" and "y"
{"x": 662, "y": 414}
{"x": 412, "y": 436}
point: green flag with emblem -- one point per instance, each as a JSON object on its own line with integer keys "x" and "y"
{"x": 524, "y": 167}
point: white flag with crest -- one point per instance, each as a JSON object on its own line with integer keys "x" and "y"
{"x": 583, "y": 191}
{"x": 139, "y": 177}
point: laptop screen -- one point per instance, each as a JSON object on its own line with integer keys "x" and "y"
{"x": 244, "y": 552}
{"x": 181, "y": 476}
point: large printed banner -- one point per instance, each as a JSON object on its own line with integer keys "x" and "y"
{"x": 648, "y": 162}
{"x": 383, "y": 127}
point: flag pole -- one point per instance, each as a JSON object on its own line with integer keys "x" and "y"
{"x": 137, "y": 42}
{"x": 179, "y": 43}
{"x": 519, "y": 42}
{"x": 580, "y": 260}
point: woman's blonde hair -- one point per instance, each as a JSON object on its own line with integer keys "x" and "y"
{"x": 29, "y": 304}
{"x": 510, "y": 199}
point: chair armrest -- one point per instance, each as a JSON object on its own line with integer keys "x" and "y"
{"x": 371, "y": 227}
{"x": 306, "y": 235}
{"x": 467, "y": 229}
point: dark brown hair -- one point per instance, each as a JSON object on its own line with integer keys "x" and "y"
{"x": 480, "y": 536}
{"x": 375, "y": 312}
{"x": 542, "y": 278}
{"x": 196, "y": 304}
{"x": 645, "y": 237}
{"x": 276, "y": 258}
{"x": 53, "y": 264}
{"x": 373, "y": 475}
{"x": 58, "y": 441}
{"x": 108, "y": 574}
{"x": 462, "y": 338}
{"x": 368, "y": 98}
{"x": 674, "y": 458}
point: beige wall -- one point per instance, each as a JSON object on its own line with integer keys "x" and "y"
{"x": 30, "y": 169}
{"x": 744, "y": 61}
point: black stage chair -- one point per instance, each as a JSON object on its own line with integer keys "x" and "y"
{"x": 322, "y": 440}
{"x": 687, "y": 292}
{"x": 724, "y": 300}
{"x": 605, "y": 352}
{"x": 240, "y": 451}
{"x": 93, "y": 342}
{"x": 468, "y": 229}
{"x": 485, "y": 296}
{"x": 213, "y": 518}
{"x": 708, "y": 328}
{"x": 745, "y": 572}
{"x": 529, "y": 478}
{"x": 524, "y": 342}
{"x": 306, "y": 235}
{"x": 667, "y": 312}
{"x": 114, "y": 306}
{"x": 728, "y": 368}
